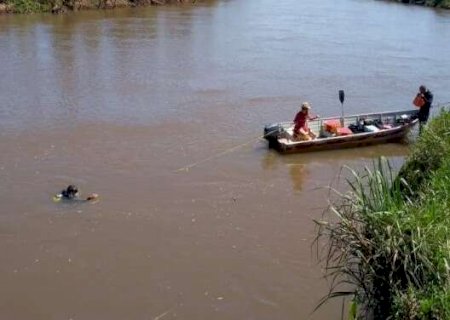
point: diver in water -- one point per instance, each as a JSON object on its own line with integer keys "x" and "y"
{"x": 71, "y": 193}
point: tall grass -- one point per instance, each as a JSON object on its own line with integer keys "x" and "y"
{"x": 387, "y": 244}
{"x": 428, "y": 154}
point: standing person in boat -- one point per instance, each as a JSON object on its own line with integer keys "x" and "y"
{"x": 424, "y": 111}
{"x": 301, "y": 129}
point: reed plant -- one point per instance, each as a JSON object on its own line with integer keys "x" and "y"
{"x": 387, "y": 243}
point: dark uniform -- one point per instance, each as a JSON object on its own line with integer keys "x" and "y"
{"x": 424, "y": 111}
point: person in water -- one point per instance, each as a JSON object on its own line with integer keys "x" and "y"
{"x": 71, "y": 193}
{"x": 301, "y": 129}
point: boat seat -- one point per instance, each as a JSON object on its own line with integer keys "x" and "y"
{"x": 288, "y": 135}
{"x": 289, "y": 132}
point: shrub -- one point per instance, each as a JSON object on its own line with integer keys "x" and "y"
{"x": 29, "y": 6}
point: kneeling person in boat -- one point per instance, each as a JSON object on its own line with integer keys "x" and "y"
{"x": 301, "y": 130}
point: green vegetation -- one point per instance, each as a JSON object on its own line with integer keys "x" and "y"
{"x": 57, "y": 6}
{"x": 388, "y": 244}
{"x": 429, "y": 3}
{"x": 438, "y": 3}
{"x": 28, "y": 6}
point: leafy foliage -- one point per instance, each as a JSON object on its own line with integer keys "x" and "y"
{"x": 29, "y": 6}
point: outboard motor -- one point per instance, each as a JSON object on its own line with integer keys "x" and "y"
{"x": 273, "y": 131}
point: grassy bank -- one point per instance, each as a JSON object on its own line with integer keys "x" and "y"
{"x": 57, "y": 6}
{"x": 388, "y": 242}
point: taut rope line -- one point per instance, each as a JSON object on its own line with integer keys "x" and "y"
{"x": 218, "y": 155}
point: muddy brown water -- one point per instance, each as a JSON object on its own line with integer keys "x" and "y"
{"x": 141, "y": 107}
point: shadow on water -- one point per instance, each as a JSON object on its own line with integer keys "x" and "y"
{"x": 306, "y": 167}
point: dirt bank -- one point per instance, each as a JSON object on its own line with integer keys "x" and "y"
{"x": 61, "y": 6}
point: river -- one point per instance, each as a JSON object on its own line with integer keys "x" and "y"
{"x": 159, "y": 110}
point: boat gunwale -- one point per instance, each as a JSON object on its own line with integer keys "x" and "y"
{"x": 382, "y": 132}
{"x": 410, "y": 111}
{"x": 390, "y": 134}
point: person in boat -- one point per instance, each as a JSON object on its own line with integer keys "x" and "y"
{"x": 424, "y": 111}
{"x": 71, "y": 193}
{"x": 301, "y": 130}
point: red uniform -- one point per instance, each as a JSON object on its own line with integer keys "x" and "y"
{"x": 301, "y": 122}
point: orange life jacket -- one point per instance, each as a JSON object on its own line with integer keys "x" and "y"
{"x": 419, "y": 101}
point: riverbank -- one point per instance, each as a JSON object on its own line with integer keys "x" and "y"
{"x": 391, "y": 239}
{"x": 444, "y": 4}
{"x": 61, "y": 6}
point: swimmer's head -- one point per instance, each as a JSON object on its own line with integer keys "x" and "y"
{"x": 70, "y": 192}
